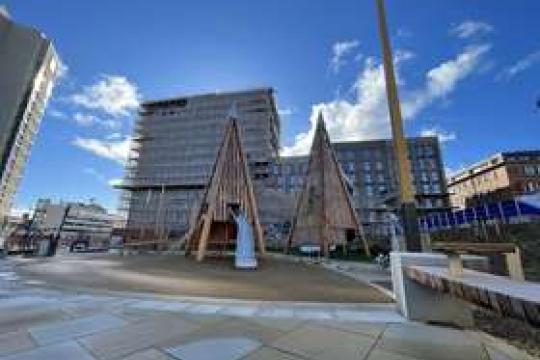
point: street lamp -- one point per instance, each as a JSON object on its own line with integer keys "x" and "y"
{"x": 406, "y": 192}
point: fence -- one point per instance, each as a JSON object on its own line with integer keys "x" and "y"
{"x": 522, "y": 208}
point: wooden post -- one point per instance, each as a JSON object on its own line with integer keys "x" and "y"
{"x": 455, "y": 265}
{"x": 513, "y": 263}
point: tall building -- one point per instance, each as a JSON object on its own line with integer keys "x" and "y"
{"x": 28, "y": 68}
{"x": 175, "y": 146}
{"x": 371, "y": 170}
{"x": 500, "y": 177}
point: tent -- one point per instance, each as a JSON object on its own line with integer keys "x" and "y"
{"x": 325, "y": 216}
{"x": 229, "y": 187}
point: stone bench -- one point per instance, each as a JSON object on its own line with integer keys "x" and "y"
{"x": 427, "y": 291}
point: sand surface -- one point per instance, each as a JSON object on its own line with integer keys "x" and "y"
{"x": 275, "y": 280}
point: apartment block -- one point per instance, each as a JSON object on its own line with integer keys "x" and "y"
{"x": 500, "y": 177}
{"x": 174, "y": 149}
{"x": 28, "y": 68}
{"x": 371, "y": 170}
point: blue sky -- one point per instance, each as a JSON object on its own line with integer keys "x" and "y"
{"x": 468, "y": 70}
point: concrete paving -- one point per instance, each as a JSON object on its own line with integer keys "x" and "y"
{"x": 87, "y": 326}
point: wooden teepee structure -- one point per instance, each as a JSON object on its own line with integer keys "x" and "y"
{"x": 229, "y": 186}
{"x": 325, "y": 215}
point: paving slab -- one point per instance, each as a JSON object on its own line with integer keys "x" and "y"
{"x": 15, "y": 342}
{"x": 64, "y": 330}
{"x": 173, "y": 306}
{"x": 232, "y": 348}
{"x": 22, "y": 318}
{"x": 372, "y": 316}
{"x": 232, "y": 327}
{"x": 366, "y": 329}
{"x": 67, "y": 350}
{"x": 123, "y": 341}
{"x": 430, "y": 342}
{"x": 321, "y": 343}
{"x": 267, "y": 353}
{"x": 283, "y": 325}
{"x": 379, "y": 354}
{"x": 150, "y": 354}
{"x": 277, "y": 312}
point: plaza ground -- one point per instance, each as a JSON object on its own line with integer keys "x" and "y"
{"x": 39, "y": 322}
{"x": 274, "y": 280}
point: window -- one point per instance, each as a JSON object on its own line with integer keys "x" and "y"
{"x": 368, "y": 178}
{"x": 369, "y": 190}
{"x": 380, "y": 178}
{"x": 529, "y": 170}
{"x": 434, "y": 176}
{"x": 426, "y": 188}
{"x": 379, "y": 165}
{"x": 350, "y": 166}
{"x": 367, "y": 165}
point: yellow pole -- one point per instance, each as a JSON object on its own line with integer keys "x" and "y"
{"x": 406, "y": 191}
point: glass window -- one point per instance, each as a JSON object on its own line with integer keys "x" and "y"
{"x": 529, "y": 170}
{"x": 379, "y": 165}
{"x": 368, "y": 178}
{"x": 369, "y": 190}
{"x": 367, "y": 165}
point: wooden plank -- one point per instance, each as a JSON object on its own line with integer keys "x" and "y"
{"x": 474, "y": 248}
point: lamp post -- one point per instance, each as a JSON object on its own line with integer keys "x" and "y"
{"x": 406, "y": 191}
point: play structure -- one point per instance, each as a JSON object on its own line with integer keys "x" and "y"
{"x": 325, "y": 216}
{"x": 229, "y": 194}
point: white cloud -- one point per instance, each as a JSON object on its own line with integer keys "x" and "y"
{"x": 470, "y": 28}
{"x": 63, "y": 70}
{"x": 339, "y": 51}
{"x": 288, "y": 111}
{"x": 113, "y": 94}
{"x": 520, "y": 66}
{"x": 366, "y": 116}
{"x": 56, "y": 113}
{"x": 115, "y": 182}
{"x": 443, "y": 135}
{"x": 116, "y": 150}
{"x": 113, "y": 136}
{"x": 89, "y": 120}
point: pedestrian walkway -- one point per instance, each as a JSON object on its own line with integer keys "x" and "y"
{"x": 40, "y": 323}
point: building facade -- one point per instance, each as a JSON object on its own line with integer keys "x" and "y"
{"x": 28, "y": 68}
{"x": 73, "y": 222}
{"x": 500, "y": 177}
{"x": 174, "y": 149}
{"x": 371, "y": 170}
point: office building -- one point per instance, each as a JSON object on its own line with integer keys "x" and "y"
{"x": 28, "y": 68}
{"x": 371, "y": 171}
{"x": 174, "y": 149}
{"x": 500, "y": 177}
{"x": 73, "y": 222}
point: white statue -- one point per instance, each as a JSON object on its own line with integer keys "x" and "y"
{"x": 245, "y": 244}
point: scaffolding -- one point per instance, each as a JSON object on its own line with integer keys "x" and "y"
{"x": 174, "y": 147}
